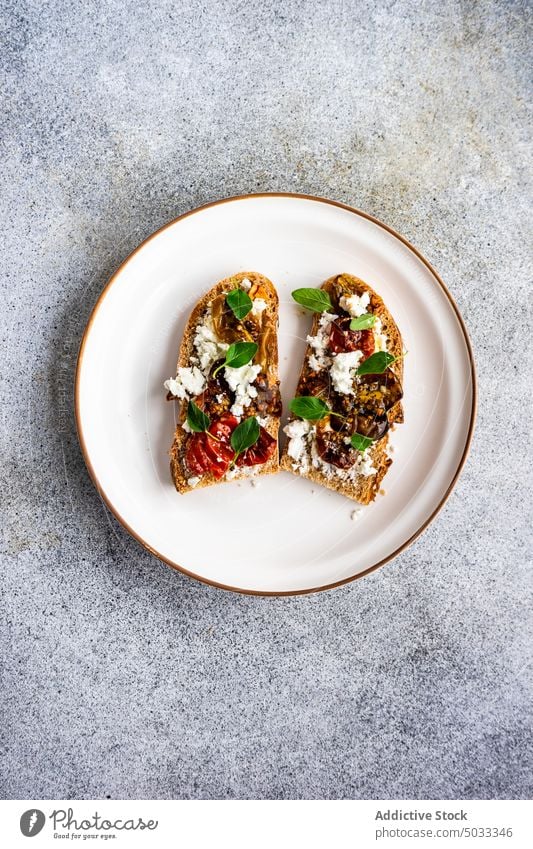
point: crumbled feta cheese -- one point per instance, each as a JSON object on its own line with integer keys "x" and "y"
{"x": 242, "y": 472}
{"x": 188, "y": 383}
{"x": 194, "y": 481}
{"x": 356, "y": 305}
{"x": 240, "y": 381}
{"x": 355, "y": 515}
{"x": 245, "y": 283}
{"x": 186, "y": 427}
{"x": 207, "y": 345}
{"x": 317, "y": 460}
{"x": 380, "y": 338}
{"x": 258, "y": 305}
{"x": 298, "y": 427}
{"x": 319, "y": 343}
{"x": 297, "y": 430}
{"x": 343, "y": 371}
{"x": 365, "y": 467}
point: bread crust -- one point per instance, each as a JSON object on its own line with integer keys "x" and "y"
{"x": 177, "y": 467}
{"x": 363, "y": 489}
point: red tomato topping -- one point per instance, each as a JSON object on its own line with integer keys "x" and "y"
{"x": 342, "y": 339}
{"x": 223, "y": 427}
{"x": 196, "y": 456}
{"x": 260, "y": 452}
{"x": 205, "y": 454}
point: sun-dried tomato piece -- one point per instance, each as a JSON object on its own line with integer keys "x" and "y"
{"x": 223, "y": 427}
{"x": 260, "y": 452}
{"x": 332, "y": 447}
{"x": 196, "y": 456}
{"x": 342, "y": 339}
{"x": 207, "y": 454}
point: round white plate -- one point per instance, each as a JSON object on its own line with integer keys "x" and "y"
{"x": 286, "y": 535}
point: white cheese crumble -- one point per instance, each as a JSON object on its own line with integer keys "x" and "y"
{"x": 188, "y": 383}
{"x": 364, "y": 466}
{"x": 240, "y": 381}
{"x": 191, "y": 381}
{"x": 319, "y": 343}
{"x": 356, "y": 305}
{"x": 258, "y": 305}
{"x": 355, "y": 515}
{"x": 343, "y": 371}
{"x": 194, "y": 481}
{"x": 242, "y": 472}
{"x": 245, "y": 283}
{"x": 208, "y": 347}
{"x": 297, "y": 431}
{"x": 380, "y": 338}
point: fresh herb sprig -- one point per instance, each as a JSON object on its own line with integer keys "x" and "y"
{"x": 244, "y": 436}
{"x": 377, "y": 363}
{"x": 311, "y": 408}
{"x": 361, "y": 442}
{"x": 239, "y": 302}
{"x": 363, "y": 322}
{"x": 197, "y": 420}
{"x": 238, "y": 354}
{"x": 316, "y": 300}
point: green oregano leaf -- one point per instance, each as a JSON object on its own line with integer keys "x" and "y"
{"x": 376, "y": 363}
{"x": 311, "y": 408}
{"x": 363, "y": 322}
{"x": 244, "y": 436}
{"x": 316, "y": 300}
{"x": 197, "y": 420}
{"x": 361, "y": 442}
{"x": 237, "y": 355}
{"x": 239, "y": 302}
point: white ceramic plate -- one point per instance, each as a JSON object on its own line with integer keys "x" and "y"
{"x": 286, "y": 535}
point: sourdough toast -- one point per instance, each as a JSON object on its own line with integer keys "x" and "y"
{"x": 322, "y": 450}
{"x": 225, "y": 394}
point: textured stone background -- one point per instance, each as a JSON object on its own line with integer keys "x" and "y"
{"x": 122, "y": 678}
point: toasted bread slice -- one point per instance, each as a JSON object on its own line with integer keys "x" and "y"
{"x": 201, "y": 348}
{"x": 361, "y": 482}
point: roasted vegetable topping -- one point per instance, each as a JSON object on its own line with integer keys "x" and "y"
{"x": 268, "y": 401}
{"x": 377, "y": 393}
{"x": 342, "y": 339}
{"x": 259, "y": 453}
{"x": 227, "y": 442}
{"x": 332, "y": 447}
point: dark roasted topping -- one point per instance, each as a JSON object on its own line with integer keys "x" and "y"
{"x": 268, "y": 401}
{"x": 332, "y": 447}
{"x": 259, "y": 453}
{"x": 377, "y": 393}
{"x": 342, "y": 339}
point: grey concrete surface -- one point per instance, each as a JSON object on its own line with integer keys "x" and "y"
{"x": 122, "y": 678}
